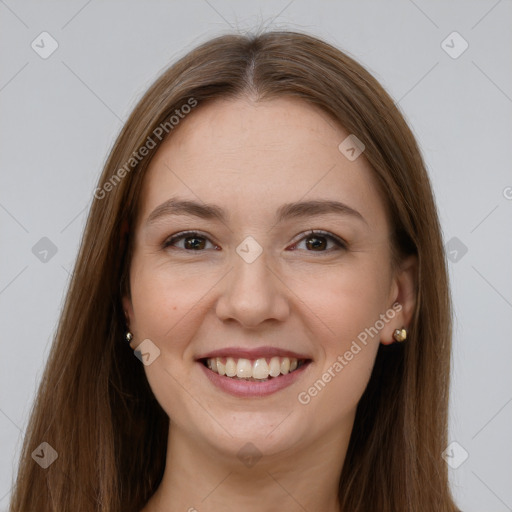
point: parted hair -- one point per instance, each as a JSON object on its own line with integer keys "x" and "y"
{"x": 94, "y": 405}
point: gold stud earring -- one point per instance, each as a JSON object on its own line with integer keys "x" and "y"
{"x": 400, "y": 334}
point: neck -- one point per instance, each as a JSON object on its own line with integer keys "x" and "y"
{"x": 202, "y": 479}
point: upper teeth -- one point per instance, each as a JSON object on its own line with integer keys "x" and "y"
{"x": 257, "y": 369}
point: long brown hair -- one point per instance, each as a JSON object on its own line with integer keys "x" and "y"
{"x": 94, "y": 405}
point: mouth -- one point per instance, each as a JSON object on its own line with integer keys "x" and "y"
{"x": 253, "y": 373}
{"x": 262, "y": 369}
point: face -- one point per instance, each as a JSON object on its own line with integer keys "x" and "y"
{"x": 248, "y": 283}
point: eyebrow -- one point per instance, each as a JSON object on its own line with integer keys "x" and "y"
{"x": 176, "y": 206}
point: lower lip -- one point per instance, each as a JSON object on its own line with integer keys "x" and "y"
{"x": 247, "y": 389}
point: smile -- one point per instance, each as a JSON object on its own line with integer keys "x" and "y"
{"x": 255, "y": 370}
{"x": 253, "y": 373}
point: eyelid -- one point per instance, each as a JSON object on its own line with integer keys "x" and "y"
{"x": 326, "y": 234}
{"x": 183, "y": 234}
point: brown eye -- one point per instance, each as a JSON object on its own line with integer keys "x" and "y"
{"x": 318, "y": 241}
{"x": 192, "y": 240}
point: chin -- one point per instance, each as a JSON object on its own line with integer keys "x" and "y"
{"x": 264, "y": 433}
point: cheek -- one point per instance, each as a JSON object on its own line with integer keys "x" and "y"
{"x": 165, "y": 300}
{"x": 346, "y": 300}
{"x": 168, "y": 310}
{"x": 349, "y": 302}
{"x": 348, "y": 349}
{"x": 337, "y": 388}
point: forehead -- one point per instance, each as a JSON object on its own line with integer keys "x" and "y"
{"x": 252, "y": 156}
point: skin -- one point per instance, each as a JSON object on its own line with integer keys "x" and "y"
{"x": 250, "y": 157}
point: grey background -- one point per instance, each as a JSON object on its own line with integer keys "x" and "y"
{"x": 60, "y": 115}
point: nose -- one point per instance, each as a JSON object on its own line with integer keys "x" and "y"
{"x": 252, "y": 294}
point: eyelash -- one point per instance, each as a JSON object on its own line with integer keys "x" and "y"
{"x": 341, "y": 245}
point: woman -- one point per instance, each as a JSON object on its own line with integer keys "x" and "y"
{"x": 264, "y": 237}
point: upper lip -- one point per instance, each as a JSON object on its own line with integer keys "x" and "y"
{"x": 252, "y": 353}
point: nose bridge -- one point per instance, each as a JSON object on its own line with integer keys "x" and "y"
{"x": 252, "y": 292}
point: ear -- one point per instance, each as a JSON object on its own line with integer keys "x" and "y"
{"x": 128, "y": 314}
{"x": 402, "y": 298}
